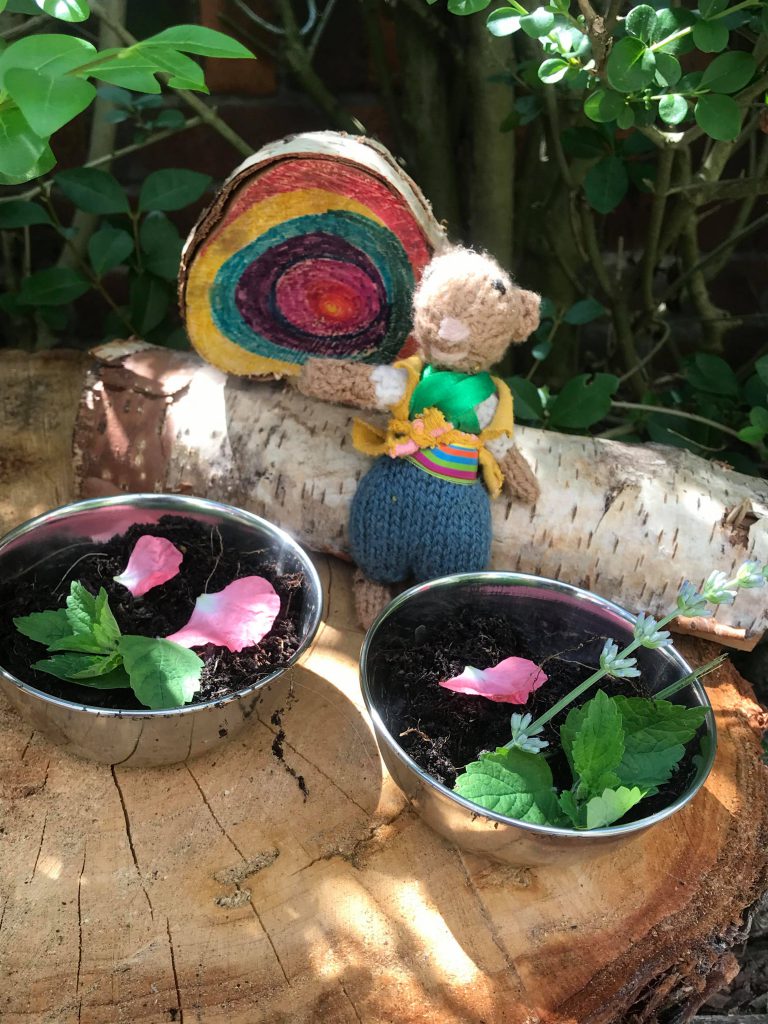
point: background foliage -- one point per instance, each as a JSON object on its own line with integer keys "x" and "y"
{"x": 614, "y": 156}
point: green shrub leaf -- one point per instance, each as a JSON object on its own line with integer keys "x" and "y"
{"x": 673, "y": 108}
{"x": 93, "y": 190}
{"x": 752, "y": 434}
{"x": 553, "y": 70}
{"x": 626, "y": 118}
{"x": 584, "y": 312}
{"x": 163, "y": 674}
{"x": 172, "y": 189}
{"x": 55, "y": 286}
{"x": 527, "y": 400}
{"x": 669, "y": 21}
{"x": 758, "y": 417}
{"x": 161, "y": 245}
{"x": 48, "y": 103}
{"x": 710, "y": 36}
{"x": 641, "y": 23}
{"x": 583, "y": 401}
{"x": 711, "y": 373}
{"x": 603, "y": 105}
{"x": 65, "y": 10}
{"x": 719, "y": 117}
{"x": 464, "y": 7}
{"x": 538, "y": 23}
{"x": 131, "y": 69}
{"x": 209, "y": 43}
{"x": 185, "y": 73}
{"x": 729, "y": 72}
{"x": 668, "y": 70}
{"x": 51, "y": 54}
{"x": 150, "y": 299}
{"x": 20, "y": 146}
{"x": 21, "y": 213}
{"x": 630, "y": 65}
{"x": 109, "y": 247}
{"x": 504, "y": 21}
{"x": 708, "y": 8}
{"x": 606, "y": 184}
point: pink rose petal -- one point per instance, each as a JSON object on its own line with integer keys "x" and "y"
{"x": 154, "y": 560}
{"x": 513, "y": 680}
{"x": 238, "y": 616}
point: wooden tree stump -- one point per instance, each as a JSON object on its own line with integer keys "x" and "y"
{"x": 214, "y": 892}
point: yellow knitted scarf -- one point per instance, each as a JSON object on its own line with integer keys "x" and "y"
{"x": 430, "y": 428}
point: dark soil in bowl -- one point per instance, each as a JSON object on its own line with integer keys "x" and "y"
{"x": 209, "y": 565}
{"x": 443, "y": 731}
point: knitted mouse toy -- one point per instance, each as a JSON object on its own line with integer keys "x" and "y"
{"x": 423, "y": 509}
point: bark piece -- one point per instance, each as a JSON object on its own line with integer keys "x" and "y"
{"x": 311, "y": 247}
{"x": 630, "y": 522}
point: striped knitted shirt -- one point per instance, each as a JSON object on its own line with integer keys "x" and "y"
{"x": 448, "y": 462}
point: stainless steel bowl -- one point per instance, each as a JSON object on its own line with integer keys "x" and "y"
{"x": 146, "y": 738}
{"x": 564, "y": 616}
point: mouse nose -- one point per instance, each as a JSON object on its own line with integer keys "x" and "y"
{"x": 452, "y": 330}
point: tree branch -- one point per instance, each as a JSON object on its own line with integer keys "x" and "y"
{"x": 298, "y": 59}
{"x": 661, "y": 189}
{"x": 134, "y": 147}
{"x": 207, "y": 115}
{"x": 101, "y": 143}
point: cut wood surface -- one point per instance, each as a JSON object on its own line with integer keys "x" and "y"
{"x": 627, "y": 521}
{"x": 213, "y": 892}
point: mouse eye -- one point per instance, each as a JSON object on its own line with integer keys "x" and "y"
{"x": 499, "y": 286}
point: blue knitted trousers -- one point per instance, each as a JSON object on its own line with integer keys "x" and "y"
{"x": 405, "y": 523}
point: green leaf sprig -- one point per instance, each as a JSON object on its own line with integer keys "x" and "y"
{"x": 635, "y": 77}
{"x": 46, "y": 81}
{"x": 162, "y": 674}
{"x": 620, "y": 749}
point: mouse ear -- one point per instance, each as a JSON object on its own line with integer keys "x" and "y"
{"x": 527, "y": 311}
{"x": 312, "y": 248}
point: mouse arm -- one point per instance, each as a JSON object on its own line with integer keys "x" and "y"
{"x": 352, "y": 383}
{"x": 519, "y": 480}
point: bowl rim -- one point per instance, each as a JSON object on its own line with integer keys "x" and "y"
{"x": 545, "y": 583}
{"x": 182, "y": 503}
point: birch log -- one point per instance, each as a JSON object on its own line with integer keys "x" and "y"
{"x": 627, "y": 521}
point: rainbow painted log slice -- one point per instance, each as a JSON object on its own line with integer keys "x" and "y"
{"x": 312, "y": 247}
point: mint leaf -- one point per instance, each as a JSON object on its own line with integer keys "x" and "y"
{"x": 655, "y": 734}
{"x": 84, "y": 643}
{"x": 78, "y": 667}
{"x": 81, "y": 608}
{"x": 572, "y": 810}
{"x": 612, "y": 805}
{"x": 105, "y": 627}
{"x": 45, "y": 627}
{"x": 91, "y": 619}
{"x": 515, "y": 783}
{"x": 598, "y": 744}
{"x": 163, "y": 674}
{"x": 117, "y": 679}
